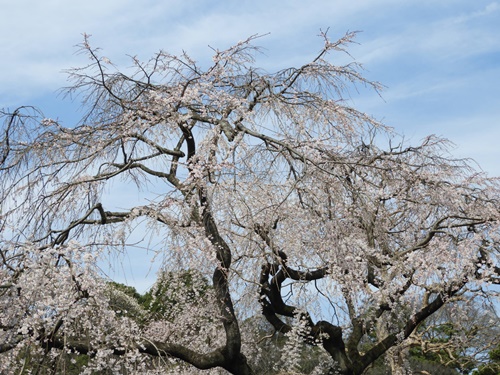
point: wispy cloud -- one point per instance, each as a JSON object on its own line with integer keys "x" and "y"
{"x": 39, "y": 37}
{"x": 425, "y": 52}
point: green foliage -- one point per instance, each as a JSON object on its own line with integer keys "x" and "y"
{"x": 126, "y": 301}
{"x": 128, "y": 290}
{"x": 495, "y": 354}
{"x": 169, "y": 296}
{"x": 448, "y": 358}
{"x": 493, "y": 366}
{"x": 437, "y": 335}
{"x": 44, "y": 364}
{"x": 269, "y": 350}
{"x": 431, "y": 367}
{"x": 173, "y": 292}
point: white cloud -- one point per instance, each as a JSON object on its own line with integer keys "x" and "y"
{"x": 438, "y": 40}
{"x": 423, "y": 50}
{"x": 39, "y": 37}
{"x": 493, "y": 7}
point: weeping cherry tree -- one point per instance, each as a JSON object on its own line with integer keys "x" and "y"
{"x": 288, "y": 202}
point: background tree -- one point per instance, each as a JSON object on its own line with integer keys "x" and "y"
{"x": 492, "y": 366}
{"x": 297, "y": 205}
{"x": 459, "y": 336}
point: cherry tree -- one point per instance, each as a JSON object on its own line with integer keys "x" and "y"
{"x": 296, "y": 206}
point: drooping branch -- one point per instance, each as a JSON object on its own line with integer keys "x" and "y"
{"x": 411, "y": 324}
{"x": 201, "y": 361}
{"x": 273, "y": 305}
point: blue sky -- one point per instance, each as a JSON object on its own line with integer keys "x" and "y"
{"x": 440, "y": 60}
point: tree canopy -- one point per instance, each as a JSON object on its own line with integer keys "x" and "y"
{"x": 294, "y": 204}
